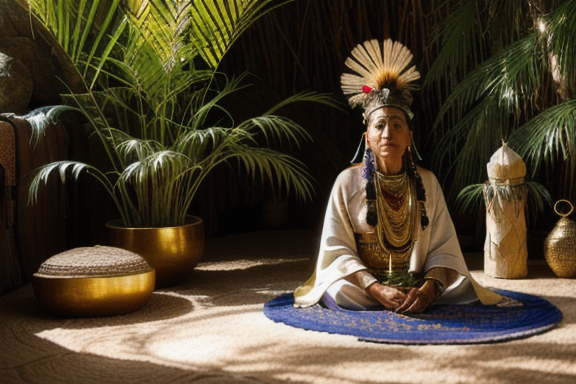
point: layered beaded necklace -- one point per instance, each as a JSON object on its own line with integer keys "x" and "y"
{"x": 396, "y": 211}
{"x": 392, "y": 207}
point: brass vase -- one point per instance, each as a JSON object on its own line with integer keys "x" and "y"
{"x": 560, "y": 244}
{"x": 173, "y": 252}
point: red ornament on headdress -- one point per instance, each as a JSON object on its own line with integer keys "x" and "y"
{"x": 366, "y": 89}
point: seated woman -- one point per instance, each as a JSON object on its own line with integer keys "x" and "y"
{"x": 388, "y": 239}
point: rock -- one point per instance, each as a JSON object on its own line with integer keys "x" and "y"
{"x": 46, "y": 86}
{"x": 16, "y": 85}
{"x": 25, "y": 43}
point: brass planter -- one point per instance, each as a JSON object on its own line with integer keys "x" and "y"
{"x": 93, "y": 296}
{"x": 172, "y": 251}
{"x": 93, "y": 282}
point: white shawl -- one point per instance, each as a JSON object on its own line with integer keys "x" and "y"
{"x": 437, "y": 245}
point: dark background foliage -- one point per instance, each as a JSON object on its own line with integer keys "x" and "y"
{"x": 303, "y": 46}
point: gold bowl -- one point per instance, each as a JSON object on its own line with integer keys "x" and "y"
{"x": 173, "y": 252}
{"x": 93, "y": 282}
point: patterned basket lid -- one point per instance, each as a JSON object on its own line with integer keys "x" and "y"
{"x": 505, "y": 164}
{"x": 97, "y": 261}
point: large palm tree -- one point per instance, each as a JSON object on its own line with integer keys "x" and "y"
{"x": 152, "y": 94}
{"x": 507, "y": 72}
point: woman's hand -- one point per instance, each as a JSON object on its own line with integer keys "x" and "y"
{"x": 389, "y": 297}
{"x": 418, "y": 299}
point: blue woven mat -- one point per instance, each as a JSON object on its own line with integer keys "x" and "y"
{"x": 518, "y": 316}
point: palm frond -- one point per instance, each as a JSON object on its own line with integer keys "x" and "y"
{"x": 40, "y": 118}
{"x": 130, "y": 149}
{"x": 470, "y": 198}
{"x": 562, "y": 30}
{"x": 156, "y": 182}
{"x": 75, "y": 168}
{"x": 80, "y": 26}
{"x": 279, "y": 169}
{"x": 197, "y": 142}
{"x": 472, "y": 140}
{"x": 509, "y": 77}
{"x": 459, "y": 37}
{"x": 216, "y": 25}
{"x": 548, "y": 137}
{"x": 538, "y": 199}
{"x": 307, "y": 97}
{"x": 276, "y": 129}
{"x": 162, "y": 27}
{"x": 207, "y": 105}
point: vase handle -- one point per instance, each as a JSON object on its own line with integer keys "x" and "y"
{"x": 563, "y": 214}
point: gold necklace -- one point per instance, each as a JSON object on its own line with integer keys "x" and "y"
{"x": 396, "y": 210}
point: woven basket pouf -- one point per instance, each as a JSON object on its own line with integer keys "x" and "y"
{"x": 93, "y": 282}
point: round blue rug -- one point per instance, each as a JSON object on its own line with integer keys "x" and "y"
{"x": 518, "y": 316}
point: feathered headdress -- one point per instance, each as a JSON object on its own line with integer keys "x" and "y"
{"x": 382, "y": 78}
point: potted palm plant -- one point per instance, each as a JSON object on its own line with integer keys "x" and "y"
{"x": 152, "y": 95}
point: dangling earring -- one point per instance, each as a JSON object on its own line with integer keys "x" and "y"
{"x": 415, "y": 150}
{"x": 356, "y": 158}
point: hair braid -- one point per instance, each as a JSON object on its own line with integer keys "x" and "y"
{"x": 369, "y": 169}
{"x": 420, "y": 191}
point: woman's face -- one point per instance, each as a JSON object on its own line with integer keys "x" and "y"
{"x": 388, "y": 136}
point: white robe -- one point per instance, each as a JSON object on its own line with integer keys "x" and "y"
{"x": 437, "y": 245}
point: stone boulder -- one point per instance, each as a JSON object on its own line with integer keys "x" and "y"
{"x": 32, "y": 63}
{"x": 16, "y": 85}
